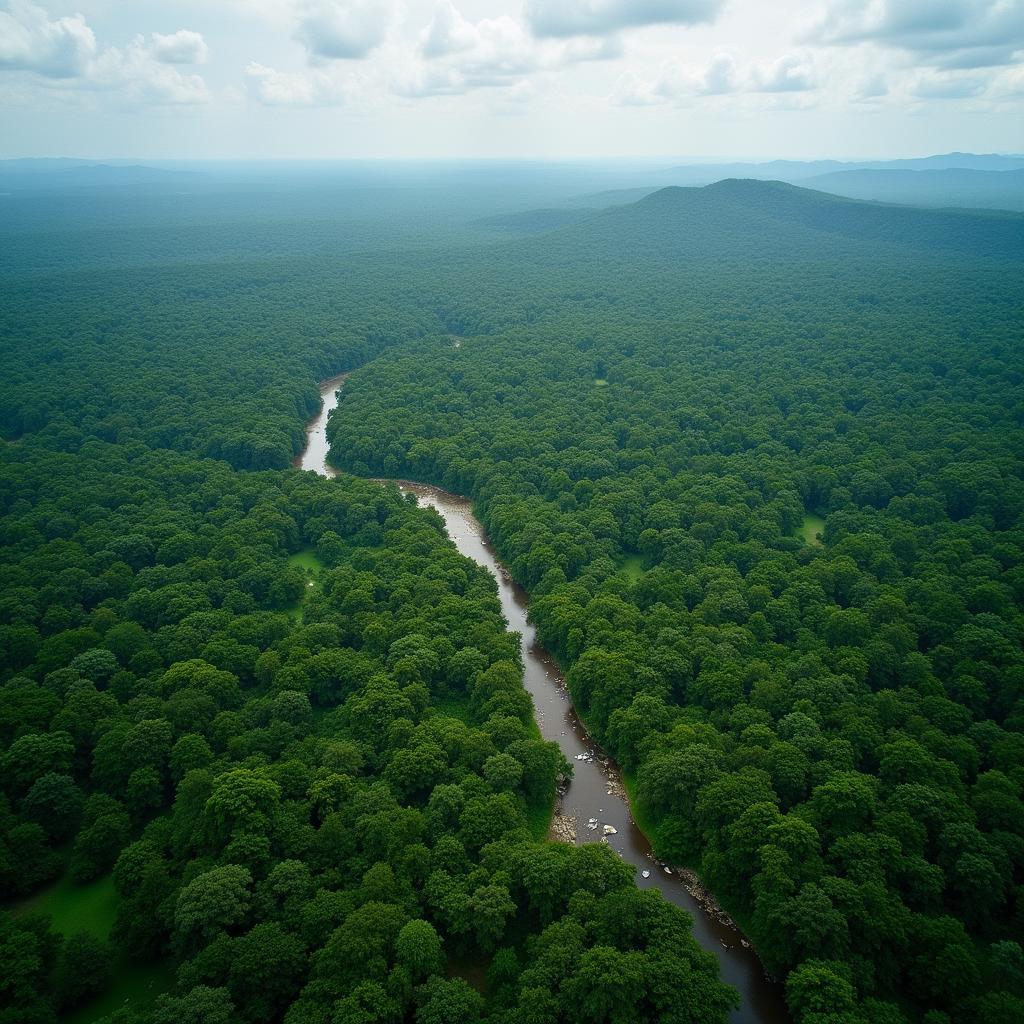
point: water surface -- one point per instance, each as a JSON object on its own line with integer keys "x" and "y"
{"x": 594, "y": 807}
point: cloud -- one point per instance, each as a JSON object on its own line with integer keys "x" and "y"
{"x": 30, "y": 41}
{"x": 871, "y": 87}
{"x": 65, "y": 51}
{"x": 459, "y": 55}
{"x": 282, "y": 89}
{"x": 182, "y": 47}
{"x": 429, "y": 80}
{"x": 948, "y": 87}
{"x": 563, "y": 18}
{"x": 1009, "y": 84}
{"x": 449, "y": 32}
{"x": 719, "y": 77}
{"x": 942, "y": 33}
{"x": 342, "y": 29}
{"x": 788, "y": 74}
{"x": 140, "y": 76}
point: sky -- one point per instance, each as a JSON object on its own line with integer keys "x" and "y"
{"x": 532, "y": 79}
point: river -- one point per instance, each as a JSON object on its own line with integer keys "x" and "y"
{"x": 594, "y": 807}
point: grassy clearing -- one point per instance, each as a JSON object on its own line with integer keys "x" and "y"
{"x": 456, "y": 706}
{"x": 812, "y": 529}
{"x": 307, "y": 561}
{"x": 134, "y": 986}
{"x": 73, "y": 907}
{"x": 632, "y": 567}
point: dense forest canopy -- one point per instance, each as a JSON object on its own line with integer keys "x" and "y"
{"x": 831, "y": 731}
{"x": 282, "y": 716}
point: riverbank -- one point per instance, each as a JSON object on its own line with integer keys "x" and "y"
{"x": 594, "y": 806}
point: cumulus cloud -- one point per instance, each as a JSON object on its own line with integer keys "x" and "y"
{"x": 788, "y": 74}
{"x": 448, "y": 32}
{"x": 943, "y": 33}
{"x": 283, "y": 89}
{"x": 181, "y": 47}
{"x": 31, "y": 41}
{"x": 342, "y": 29}
{"x": 65, "y": 51}
{"x": 138, "y": 75}
{"x": 459, "y": 55}
{"x": 719, "y": 77}
{"x": 563, "y": 18}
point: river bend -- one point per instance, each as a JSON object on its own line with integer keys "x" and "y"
{"x": 594, "y": 807}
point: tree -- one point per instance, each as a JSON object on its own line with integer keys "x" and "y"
{"x": 242, "y": 801}
{"x": 200, "y": 1005}
{"x": 418, "y": 949}
{"x": 55, "y": 803}
{"x": 607, "y": 985}
{"x": 266, "y": 966}
{"x": 213, "y": 901}
{"x": 441, "y": 1000}
{"x": 820, "y": 987}
{"x": 83, "y": 968}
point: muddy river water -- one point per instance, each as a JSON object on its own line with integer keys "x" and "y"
{"x": 594, "y": 807}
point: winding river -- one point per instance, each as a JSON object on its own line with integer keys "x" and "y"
{"x": 594, "y": 807}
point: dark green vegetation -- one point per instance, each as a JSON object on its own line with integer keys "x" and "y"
{"x": 318, "y": 804}
{"x": 280, "y": 805}
{"x": 832, "y": 733}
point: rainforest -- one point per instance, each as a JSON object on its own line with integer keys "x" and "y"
{"x": 276, "y": 743}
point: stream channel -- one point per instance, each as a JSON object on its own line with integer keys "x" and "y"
{"x": 594, "y": 807}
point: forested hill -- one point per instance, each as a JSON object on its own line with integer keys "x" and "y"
{"x": 736, "y": 215}
{"x": 755, "y": 452}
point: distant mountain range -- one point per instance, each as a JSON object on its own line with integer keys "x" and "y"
{"x": 950, "y": 179}
{"x": 972, "y": 180}
{"x": 68, "y": 175}
{"x": 772, "y": 218}
{"x": 955, "y": 186}
{"x": 799, "y": 170}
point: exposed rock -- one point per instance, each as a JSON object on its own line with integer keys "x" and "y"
{"x": 563, "y": 828}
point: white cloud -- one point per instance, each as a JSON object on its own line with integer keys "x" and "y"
{"x": 425, "y": 80}
{"x": 719, "y": 77}
{"x": 449, "y": 32}
{"x": 65, "y": 51}
{"x": 787, "y": 74}
{"x": 943, "y": 33}
{"x": 460, "y": 55}
{"x": 676, "y": 81}
{"x": 562, "y": 18}
{"x": 342, "y": 29}
{"x": 282, "y": 89}
{"x": 138, "y": 75}
{"x": 30, "y": 41}
{"x": 181, "y": 47}
{"x": 1009, "y": 84}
